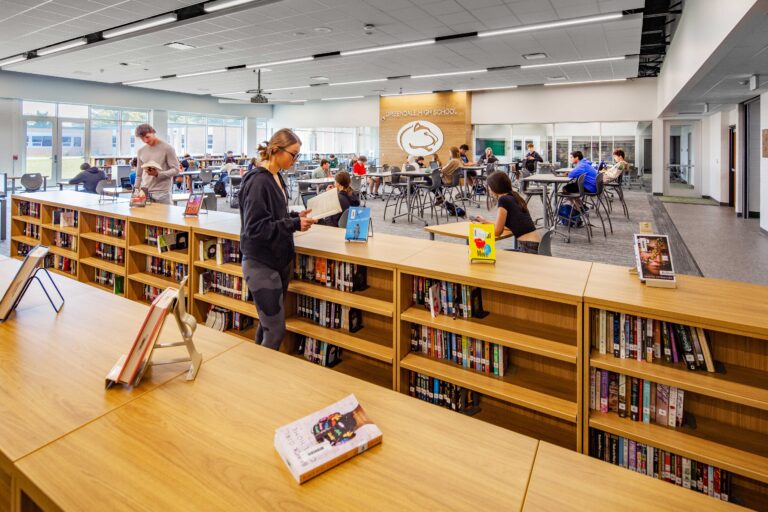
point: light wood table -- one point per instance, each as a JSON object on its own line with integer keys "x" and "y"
{"x": 565, "y": 480}
{"x": 209, "y": 445}
{"x": 457, "y": 230}
{"x": 52, "y": 367}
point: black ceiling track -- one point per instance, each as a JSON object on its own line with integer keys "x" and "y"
{"x": 659, "y": 22}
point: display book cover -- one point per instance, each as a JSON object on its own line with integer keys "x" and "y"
{"x": 358, "y": 224}
{"x": 482, "y": 243}
{"x": 654, "y": 259}
{"x": 326, "y": 438}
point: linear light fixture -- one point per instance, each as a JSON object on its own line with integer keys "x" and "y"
{"x": 406, "y": 93}
{"x": 388, "y": 47}
{"x": 571, "y": 63}
{"x": 200, "y": 73}
{"x": 144, "y": 81}
{"x": 142, "y": 25}
{"x": 486, "y": 88}
{"x": 589, "y": 82}
{"x": 224, "y": 4}
{"x": 279, "y": 62}
{"x": 288, "y": 88}
{"x": 61, "y": 47}
{"x": 229, "y": 93}
{"x": 451, "y": 73}
{"x": 360, "y": 82}
{"x": 342, "y": 98}
{"x": 13, "y": 60}
{"x": 553, "y": 24}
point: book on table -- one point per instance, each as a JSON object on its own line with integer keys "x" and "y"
{"x": 325, "y": 204}
{"x": 482, "y": 243}
{"x": 194, "y": 203}
{"x": 326, "y": 438}
{"x": 654, "y": 260}
{"x": 358, "y": 224}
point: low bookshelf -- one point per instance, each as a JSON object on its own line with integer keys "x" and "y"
{"x": 26, "y": 221}
{"x": 103, "y": 249}
{"x": 724, "y": 420}
{"x": 518, "y": 366}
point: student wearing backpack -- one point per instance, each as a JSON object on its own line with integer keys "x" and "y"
{"x": 513, "y": 212}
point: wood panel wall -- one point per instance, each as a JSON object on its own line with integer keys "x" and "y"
{"x": 450, "y": 111}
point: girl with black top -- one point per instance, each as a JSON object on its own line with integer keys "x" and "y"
{"x": 266, "y": 234}
{"x": 513, "y": 212}
{"x": 347, "y": 197}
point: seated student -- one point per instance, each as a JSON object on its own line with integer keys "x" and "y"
{"x": 420, "y": 162}
{"x": 412, "y": 161}
{"x": 581, "y": 166}
{"x": 448, "y": 170}
{"x": 463, "y": 154}
{"x": 333, "y": 161}
{"x": 89, "y": 177}
{"x": 253, "y": 163}
{"x": 487, "y": 157}
{"x": 347, "y": 198}
{"x": 132, "y": 176}
{"x": 186, "y": 165}
{"x": 619, "y": 167}
{"x": 513, "y": 212}
{"x": 359, "y": 169}
{"x": 324, "y": 171}
{"x": 530, "y": 159}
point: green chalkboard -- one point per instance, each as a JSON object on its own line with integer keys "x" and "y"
{"x": 497, "y": 145}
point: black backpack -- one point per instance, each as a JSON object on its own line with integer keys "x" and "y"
{"x": 220, "y": 189}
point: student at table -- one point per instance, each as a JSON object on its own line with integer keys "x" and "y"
{"x": 333, "y": 161}
{"x": 89, "y": 177}
{"x": 186, "y": 165}
{"x": 487, "y": 157}
{"x": 359, "y": 169}
{"x": 448, "y": 170}
{"x": 132, "y": 176}
{"x": 253, "y": 163}
{"x": 266, "y": 234}
{"x": 420, "y": 164}
{"x": 347, "y": 197}
{"x": 324, "y": 171}
{"x": 412, "y": 161}
{"x": 619, "y": 167}
{"x": 513, "y": 212}
{"x": 531, "y": 158}
{"x": 581, "y": 166}
{"x": 158, "y": 182}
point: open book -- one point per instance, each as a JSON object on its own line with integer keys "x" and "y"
{"x": 326, "y": 438}
{"x": 325, "y": 204}
{"x": 32, "y": 261}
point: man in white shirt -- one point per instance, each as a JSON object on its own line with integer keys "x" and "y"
{"x": 158, "y": 182}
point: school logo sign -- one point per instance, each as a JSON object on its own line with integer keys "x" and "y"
{"x": 420, "y": 138}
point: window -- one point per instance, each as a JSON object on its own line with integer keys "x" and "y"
{"x": 198, "y": 134}
{"x": 73, "y": 111}
{"x": 342, "y": 142}
{"x": 112, "y": 131}
{"x": 39, "y": 141}
{"x": 38, "y": 109}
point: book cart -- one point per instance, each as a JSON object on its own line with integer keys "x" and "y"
{"x": 534, "y": 314}
{"x": 726, "y": 411}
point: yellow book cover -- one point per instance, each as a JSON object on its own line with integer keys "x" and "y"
{"x": 482, "y": 243}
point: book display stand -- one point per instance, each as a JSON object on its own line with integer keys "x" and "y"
{"x": 28, "y": 282}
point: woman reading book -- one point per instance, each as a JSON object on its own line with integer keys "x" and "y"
{"x": 347, "y": 197}
{"x": 266, "y": 233}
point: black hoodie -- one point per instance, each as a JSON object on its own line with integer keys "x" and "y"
{"x": 89, "y": 178}
{"x": 266, "y": 232}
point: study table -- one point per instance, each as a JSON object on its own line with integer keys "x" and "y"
{"x": 546, "y": 180}
{"x": 458, "y": 230}
{"x": 14, "y": 178}
{"x": 52, "y": 366}
{"x": 318, "y": 183}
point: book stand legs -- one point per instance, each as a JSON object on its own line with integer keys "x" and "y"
{"x": 35, "y": 277}
{"x": 195, "y": 358}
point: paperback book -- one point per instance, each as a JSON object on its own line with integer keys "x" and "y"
{"x": 358, "y": 224}
{"x": 654, "y": 260}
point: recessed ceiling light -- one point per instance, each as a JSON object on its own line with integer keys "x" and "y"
{"x": 319, "y": 78}
{"x": 553, "y": 24}
{"x": 360, "y": 82}
{"x": 224, "y": 4}
{"x": 200, "y": 73}
{"x": 556, "y": 78}
{"x": 323, "y": 30}
{"x": 572, "y": 62}
{"x": 342, "y": 98}
{"x": 279, "y": 62}
{"x": 535, "y": 56}
{"x": 142, "y": 25}
{"x": 451, "y": 73}
{"x": 180, "y": 46}
{"x": 144, "y": 81}
{"x": 61, "y": 47}
{"x": 591, "y": 82}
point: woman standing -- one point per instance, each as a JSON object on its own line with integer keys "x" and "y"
{"x": 266, "y": 234}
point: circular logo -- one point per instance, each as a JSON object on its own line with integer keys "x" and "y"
{"x": 420, "y": 138}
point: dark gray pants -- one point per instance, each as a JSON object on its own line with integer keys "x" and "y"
{"x": 268, "y": 288}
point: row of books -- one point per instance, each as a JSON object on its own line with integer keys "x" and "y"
{"x": 32, "y": 230}
{"x": 166, "y": 239}
{"x": 222, "y": 250}
{"x": 65, "y": 241}
{"x": 224, "y": 284}
{"x": 479, "y": 355}
{"x": 109, "y": 280}
{"x": 453, "y": 299}
{"x": 638, "y": 399}
{"x": 29, "y": 209}
{"x": 110, "y": 227}
{"x": 150, "y": 293}
{"x": 329, "y": 314}
{"x": 319, "y": 352}
{"x": 442, "y": 393}
{"x": 110, "y": 253}
{"x": 61, "y": 263}
{"x": 660, "y": 464}
{"x": 638, "y": 338}
{"x": 23, "y": 249}
{"x": 65, "y": 218}
{"x": 347, "y": 277}
{"x": 223, "y": 319}
{"x": 166, "y": 268}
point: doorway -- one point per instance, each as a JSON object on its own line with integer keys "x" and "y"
{"x": 55, "y": 147}
{"x": 732, "y": 166}
{"x": 682, "y": 153}
{"x": 751, "y": 187}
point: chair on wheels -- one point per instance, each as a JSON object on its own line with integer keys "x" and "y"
{"x": 596, "y": 200}
{"x": 426, "y": 195}
{"x": 577, "y": 202}
{"x": 107, "y": 188}
{"x": 31, "y": 181}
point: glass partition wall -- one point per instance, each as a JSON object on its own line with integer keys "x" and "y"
{"x": 555, "y": 141}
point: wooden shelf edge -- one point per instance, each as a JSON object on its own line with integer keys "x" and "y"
{"x": 28, "y": 219}
{"x": 227, "y": 268}
{"x": 151, "y": 280}
{"x": 106, "y": 239}
{"x": 494, "y": 387}
{"x": 343, "y": 339}
{"x": 68, "y": 230}
{"x": 104, "y": 265}
{"x": 508, "y": 338}
{"x": 67, "y": 253}
{"x": 703, "y": 450}
{"x": 148, "y": 250}
{"x": 239, "y": 306}
{"x": 376, "y": 306}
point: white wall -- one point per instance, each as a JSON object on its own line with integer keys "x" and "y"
{"x": 328, "y": 114}
{"x": 763, "y": 165}
{"x": 11, "y": 135}
{"x": 702, "y": 28}
{"x": 754, "y": 159}
{"x": 633, "y": 100}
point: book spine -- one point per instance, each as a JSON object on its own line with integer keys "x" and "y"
{"x": 622, "y": 405}
{"x": 646, "y": 401}
{"x": 634, "y": 397}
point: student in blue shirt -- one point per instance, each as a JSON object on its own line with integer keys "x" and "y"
{"x": 581, "y": 166}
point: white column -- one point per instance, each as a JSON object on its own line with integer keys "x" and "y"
{"x": 657, "y": 178}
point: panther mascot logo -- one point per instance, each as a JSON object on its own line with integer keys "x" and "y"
{"x": 420, "y": 138}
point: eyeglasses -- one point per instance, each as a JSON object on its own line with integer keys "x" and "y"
{"x": 295, "y": 156}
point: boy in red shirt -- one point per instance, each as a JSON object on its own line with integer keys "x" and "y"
{"x": 373, "y": 183}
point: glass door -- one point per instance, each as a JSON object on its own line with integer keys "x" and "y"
{"x": 71, "y": 148}
{"x": 681, "y": 149}
{"x": 38, "y": 154}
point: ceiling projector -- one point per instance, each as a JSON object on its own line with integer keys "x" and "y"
{"x": 259, "y": 98}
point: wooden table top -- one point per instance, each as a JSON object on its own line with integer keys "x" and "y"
{"x": 513, "y": 272}
{"x": 547, "y": 178}
{"x": 459, "y": 230}
{"x": 209, "y": 445}
{"x": 52, "y": 367}
{"x": 162, "y": 214}
{"x": 711, "y": 303}
{"x": 52, "y": 197}
{"x": 566, "y": 480}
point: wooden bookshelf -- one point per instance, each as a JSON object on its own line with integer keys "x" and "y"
{"x": 729, "y": 408}
{"x": 540, "y": 328}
